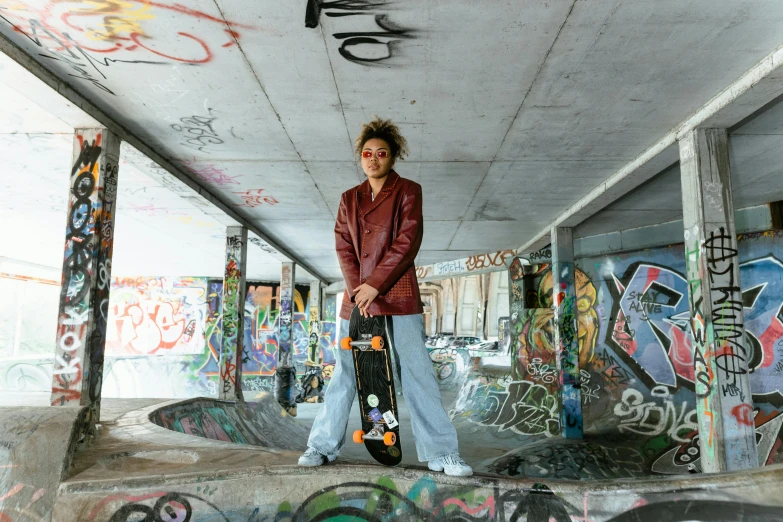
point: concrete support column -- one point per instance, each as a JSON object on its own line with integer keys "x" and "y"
{"x": 285, "y": 374}
{"x": 313, "y": 353}
{"x": 84, "y": 297}
{"x": 312, "y": 383}
{"x": 457, "y": 303}
{"x": 565, "y": 330}
{"x": 232, "y": 348}
{"x": 723, "y": 397}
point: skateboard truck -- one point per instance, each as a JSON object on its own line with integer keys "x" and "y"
{"x": 376, "y": 343}
{"x": 377, "y": 432}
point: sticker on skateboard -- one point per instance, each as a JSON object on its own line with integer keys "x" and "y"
{"x": 390, "y": 420}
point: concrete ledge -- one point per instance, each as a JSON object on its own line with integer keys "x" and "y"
{"x": 377, "y": 493}
{"x": 36, "y": 449}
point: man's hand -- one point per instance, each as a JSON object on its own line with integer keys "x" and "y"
{"x": 364, "y": 295}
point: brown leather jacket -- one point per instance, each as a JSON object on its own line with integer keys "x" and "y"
{"x": 377, "y": 242}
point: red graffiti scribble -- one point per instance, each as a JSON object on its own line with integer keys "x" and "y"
{"x": 489, "y": 504}
{"x": 62, "y": 396}
{"x": 179, "y": 8}
{"x": 227, "y": 372}
{"x": 13, "y": 491}
{"x": 210, "y": 173}
{"x": 767, "y": 340}
{"x": 234, "y": 37}
{"x": 680, "y": 354}
{"x": 108, "y": 27}
{"x": 743, "y": 413}
{"x": 254, "y": 198}
{"x": 652, "y": 276}
{"x": 136, "y": 39}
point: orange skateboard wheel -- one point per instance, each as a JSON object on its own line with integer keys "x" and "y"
{"x": 377, "y": 342}
{"x": 345, "y": 343}
{"x": 358, "y": 436}
{"x": 389, "y": 438}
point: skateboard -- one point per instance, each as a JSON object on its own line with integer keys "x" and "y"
{"x": 368, "y": 341}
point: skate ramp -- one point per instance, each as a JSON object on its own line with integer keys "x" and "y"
{"x": 512, "y": 426}
{"x": 261, "y": 422}
{"x": 138, "y": 470}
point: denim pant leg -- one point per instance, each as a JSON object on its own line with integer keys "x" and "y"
{"x": 328, "y": 432}
{"x": 432, "y": 429}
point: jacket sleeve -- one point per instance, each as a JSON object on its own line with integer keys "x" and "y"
{"x": 405, "y": 247}
{"x": 349, "y": 259}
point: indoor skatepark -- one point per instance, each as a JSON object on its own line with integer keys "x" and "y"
{"x": 601, "y": 194}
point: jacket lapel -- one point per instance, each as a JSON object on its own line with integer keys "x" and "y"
{"x": 364, "y": 191}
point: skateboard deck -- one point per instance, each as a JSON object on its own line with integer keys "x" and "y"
{"x": 368, "y": 341}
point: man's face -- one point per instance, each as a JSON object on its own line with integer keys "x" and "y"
{"x": 376, "y": 158}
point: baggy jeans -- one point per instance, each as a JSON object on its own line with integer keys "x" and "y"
{"x": 433, "y": 432}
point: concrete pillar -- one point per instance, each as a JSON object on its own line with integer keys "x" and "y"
{"x": 565, "y": 330}
{"x": 233, "y": 315}
{"x": 723, "y": 397}
{"x": 312, "y": 383}
{"x": 313, "y": 352}
{"x": 285, "y": 374}
{"x": 516, "y": 287}
{"x": 457, "y": 303}
{"x": 84, "y": 298}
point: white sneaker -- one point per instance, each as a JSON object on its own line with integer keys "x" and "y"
{"x": 312, "y": 457}
{"x": 451, "y": 465}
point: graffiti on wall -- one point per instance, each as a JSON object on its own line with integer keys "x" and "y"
{"x": 651, "y": 321}
{"x": 428, "y": 500}
{"x": 157, "y": 316}
{"x": 233, "y": 301}
{"x": 636, "y": 368}
{"x": 523, "y": 407}
{"x": 186, "y": 370}
{"x": 261, "y": 332}
{"x": 473, "y": 264}
{"x": 645, "y": 367}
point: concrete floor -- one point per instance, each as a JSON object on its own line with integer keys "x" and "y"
{"x": 475, "y": 448}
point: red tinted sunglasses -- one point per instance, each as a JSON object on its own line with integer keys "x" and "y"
{"x": 380, "y": 154}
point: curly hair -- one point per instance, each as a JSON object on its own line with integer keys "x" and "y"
{"x": 386, "y": 131}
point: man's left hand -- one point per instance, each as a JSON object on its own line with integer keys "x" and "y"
{"x": 364, "y": 295}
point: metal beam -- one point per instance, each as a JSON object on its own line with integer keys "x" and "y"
{"x": 66, "y": 91}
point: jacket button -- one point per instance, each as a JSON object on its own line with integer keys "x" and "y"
{"x": 365, "y": 255}
{"x": 367, "y": 231}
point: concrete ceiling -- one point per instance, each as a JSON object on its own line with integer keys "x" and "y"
{"x": 756, "y": 154}
{"x": 513, "y": 111}
{"x": 157, "y": 232}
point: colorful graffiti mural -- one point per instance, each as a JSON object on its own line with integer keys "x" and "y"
{"x": 427, "y": 499}
{"x": 262, "y": 320}
{"x": 637, "y": 382}
{"x": 178, "y": 321}
{"x": 157, "y": 316}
